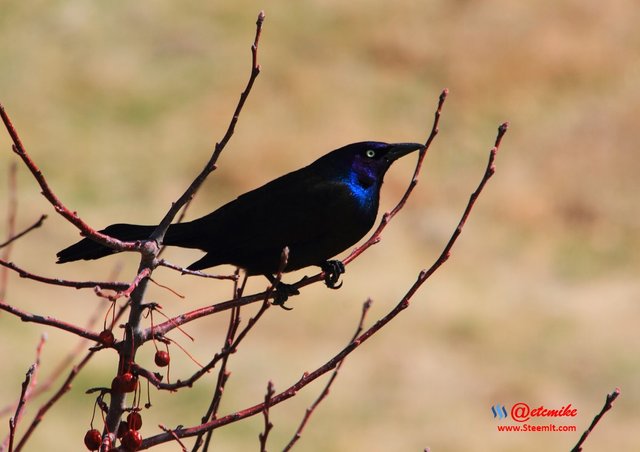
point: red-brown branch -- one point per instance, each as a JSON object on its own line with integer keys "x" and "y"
{"x": 186, "y": 271}
{"x": 47, "y": 320}
{"x": 57, "y": 204}
{"x": 134, "y": 336}
{"x": 64, "y": 388}
{"x": 268, "y": 425}
{"x": 27, "y": 387}
{"x": 126, "y": 293}
{"x": 15, "y": 419}
{"x": 188, "y": 382}
{"x": 190, "y": 192}
{"x": 63, "y": 282}
{"x": 387, "y": 216}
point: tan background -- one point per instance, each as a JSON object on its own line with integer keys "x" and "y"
{"x": 121, "y": 103}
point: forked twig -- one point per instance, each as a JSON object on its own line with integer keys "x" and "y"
{"x": 126, "y": 293}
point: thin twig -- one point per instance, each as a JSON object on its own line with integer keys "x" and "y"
{"x": 57, "y": 204}
{"x": 325, "y": 392}
{"x": 223, "y": 373}
{"x": 20, "y": 234}
{"x": 27, "y": 387}
{"x": 175, "y": 437}
{"x": 268, "y": 425}
{"x": 186, "y": 271}
{"x": 190, "y": 192}
{"x": 15, "y": 419}
{"x": 608, "y": 403}
{"x": 387, "y": 216}
{"x": 64, "y": 388}
{"x": 189, "y": 382}
{"x": 63, "y": 282}
{"x": 47, "y": 320}
{"x": 61, "y": 366}
{"x": 126, "y": 293}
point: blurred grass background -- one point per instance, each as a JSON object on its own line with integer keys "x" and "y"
{"x": 120, "y": 104}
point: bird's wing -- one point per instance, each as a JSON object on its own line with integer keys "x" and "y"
{"x": 294, "y": 210}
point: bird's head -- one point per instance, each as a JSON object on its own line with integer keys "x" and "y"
{"x": 362, "y": 166}
{"x": 367, "y": 162}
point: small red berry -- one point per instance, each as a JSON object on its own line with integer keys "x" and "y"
{"x": 162, "y": 358}
{"x": 122, "y": 429}
{"x": 106, "y": 337}
{"x": 124, "y": 383}
{"x": 93, "y": 439}
{"x": 132, "y": 440}
{"x": 128, "y": 382}
{"x": 134, "y": 420}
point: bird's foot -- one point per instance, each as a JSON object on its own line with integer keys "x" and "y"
{"x": 332, "y": 271}
{"x": 281, "y": 294}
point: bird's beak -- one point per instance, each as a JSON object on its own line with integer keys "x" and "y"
{"x": 397, "y": 150}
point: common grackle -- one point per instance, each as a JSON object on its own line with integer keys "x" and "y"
{"x": 317, "y": 211}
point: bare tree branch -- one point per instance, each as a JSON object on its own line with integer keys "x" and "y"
{"x": 63, "y": 282}
{"x": 268, "y": 425}
{"x": 57, "y": 204}
{"x": 47, "y": 320}
{"x": 19, "y": 235}
{"x": 27, "y": 387}
{"x": 149, "y": 249}
{"x": 186, "y": 271}
{"x": 386, "y": 218}
{"x": 158, "y": 234}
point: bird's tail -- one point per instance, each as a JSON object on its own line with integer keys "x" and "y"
{"x": 86, "y": 249}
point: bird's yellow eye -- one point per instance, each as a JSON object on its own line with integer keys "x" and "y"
{"x": 370, "y": 153}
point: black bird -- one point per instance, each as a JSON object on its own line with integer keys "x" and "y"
{"x": 317, "y": 211}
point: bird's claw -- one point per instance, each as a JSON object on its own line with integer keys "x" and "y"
{"x": 332, "y": 271}
{"x": 281, "y": 294}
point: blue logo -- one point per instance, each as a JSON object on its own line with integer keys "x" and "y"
{"x": 499, "y": 411}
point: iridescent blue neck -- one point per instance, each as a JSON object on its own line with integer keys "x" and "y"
{"x": 364, "y": 185}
